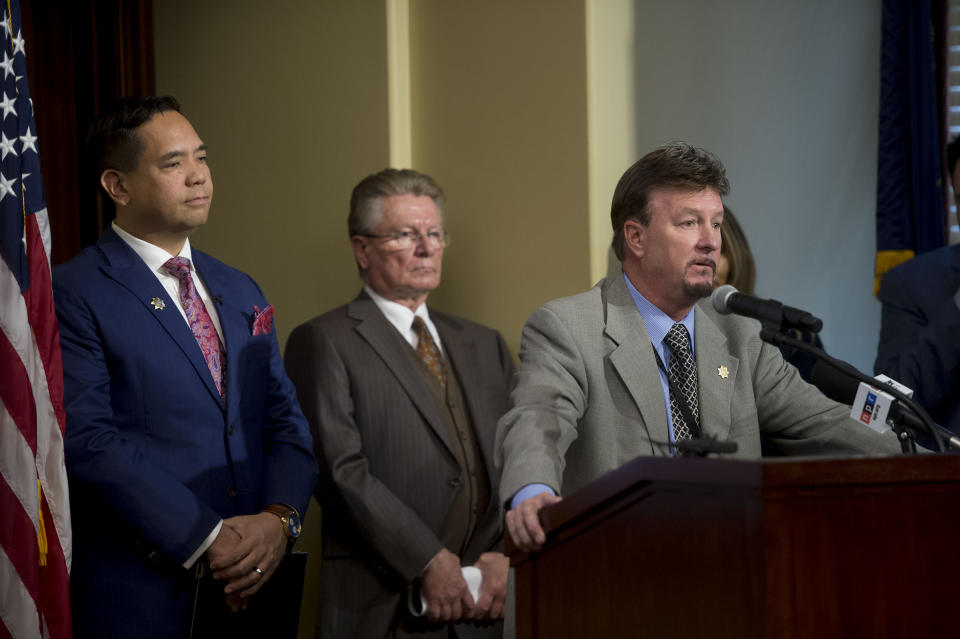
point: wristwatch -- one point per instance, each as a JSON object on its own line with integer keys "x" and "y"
{"x": 289, "y": 519}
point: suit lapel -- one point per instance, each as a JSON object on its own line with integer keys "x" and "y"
{"x": 233, "y": 323}
{"x": 634, "y": 359}
{"x": 126, "y": 268}
{"x": 461, "y": 352}
{"x": 716, "y": 390}
{"x": 395, "y": 353}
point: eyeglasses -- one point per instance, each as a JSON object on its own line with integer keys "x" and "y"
{"x": 405, "y": 240}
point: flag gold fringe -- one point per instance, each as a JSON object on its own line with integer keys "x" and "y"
{"x": 41, "y": 529}
{"x": 886, "y": 260}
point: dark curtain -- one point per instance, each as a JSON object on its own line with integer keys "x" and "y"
{"x": 81, "y": 55}
{"x": 910, "y": 200}
{"x": 941, "y": 51}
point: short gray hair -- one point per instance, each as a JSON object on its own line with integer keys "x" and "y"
{"x": 366, "y": 209}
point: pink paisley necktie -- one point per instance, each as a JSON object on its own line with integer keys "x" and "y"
{"x": 200, "y": 322}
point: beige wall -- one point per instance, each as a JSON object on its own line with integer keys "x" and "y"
{"x": 294, "y": 105}
{"x": 291, "y": 97}
{"x": 610, "y": 123}
{"x": 499, "y": 118}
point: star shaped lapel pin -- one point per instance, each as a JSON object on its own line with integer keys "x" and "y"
{"x": 723, "y": 372}
{"x": 158, "y": 304}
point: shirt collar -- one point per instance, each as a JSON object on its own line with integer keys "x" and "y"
{"x": 154, "y": 256}
{"x": 399, "y": 315}
{"x": 656, "y": 321}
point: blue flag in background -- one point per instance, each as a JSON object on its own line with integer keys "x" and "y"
{"x": 910, "y": 218}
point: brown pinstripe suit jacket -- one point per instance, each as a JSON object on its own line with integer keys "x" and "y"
{"x": 387, "y": 471}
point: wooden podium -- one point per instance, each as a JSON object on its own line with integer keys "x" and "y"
{"x": 787, "y": 549}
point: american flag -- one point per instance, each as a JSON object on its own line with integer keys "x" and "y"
{"x": 35, "y": 546}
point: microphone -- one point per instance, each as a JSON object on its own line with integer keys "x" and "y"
{"x": 217, "y": 298}
{"x": 844, "y": 389}
{"x": 836, "y": 385}
{"x": 703, "y": 446}
{"x": 727, "y": 299}
{"x": 700, "y": 446}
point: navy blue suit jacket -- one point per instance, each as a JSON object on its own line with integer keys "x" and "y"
{"x": 154, "y": 456}
{"x": 920, "y": 331}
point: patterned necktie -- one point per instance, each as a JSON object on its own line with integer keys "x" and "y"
{"x": 683, "y": 378}
{"x": 199, "y": 319}
{"x": 428, "y": 351}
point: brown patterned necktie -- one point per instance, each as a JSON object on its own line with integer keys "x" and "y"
{"x": 683, "y": 378}
{"x": 428, "y": 351}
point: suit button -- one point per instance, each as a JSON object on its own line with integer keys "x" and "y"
{"x": 232, "y": 492}
{"x": 230, "y": 431}
{"x": 453, "y": 482}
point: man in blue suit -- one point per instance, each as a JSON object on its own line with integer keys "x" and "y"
{"x": 920, "y": 324}
{"x": 185, "y": 443}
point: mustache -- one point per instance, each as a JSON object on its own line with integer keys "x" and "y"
{"x": 703, "y": 261}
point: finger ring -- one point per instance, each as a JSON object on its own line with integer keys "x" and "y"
{"x": 258, "y": 571}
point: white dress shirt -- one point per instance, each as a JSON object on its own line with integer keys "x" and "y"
{"x": 155, "y": 257}
{"x": 401, "y": 317}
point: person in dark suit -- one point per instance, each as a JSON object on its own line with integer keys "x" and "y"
{"x": 920, "y": 322}
{"x": 184, "y": 439}
{"x": 403, "y": 402}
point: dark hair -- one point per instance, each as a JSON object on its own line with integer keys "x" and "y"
{"x": 953, "y": 156}
{"x": 365, "y": 208}
{"x": 742, "y": 273}
{"x": 112, "y": 142}
{"x": 676, "y": 165}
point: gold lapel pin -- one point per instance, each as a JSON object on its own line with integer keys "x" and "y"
{"x": 158, "y": 303}
{"x": 723, "y": 372}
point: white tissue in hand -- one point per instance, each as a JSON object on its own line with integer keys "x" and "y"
{"x": 471, "y": 574}
{"x": 473, "y": 578}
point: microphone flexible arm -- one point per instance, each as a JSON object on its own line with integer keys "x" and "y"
{"x": 772, "y": 335}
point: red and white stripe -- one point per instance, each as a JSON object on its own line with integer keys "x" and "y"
{"x": 34, "y": 599}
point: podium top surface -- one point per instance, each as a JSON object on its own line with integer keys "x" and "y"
{"x": 761, "y": 477}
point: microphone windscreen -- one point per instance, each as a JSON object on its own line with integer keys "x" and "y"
{"x": 836, "y": 385}
{"x": 720, "y": 297}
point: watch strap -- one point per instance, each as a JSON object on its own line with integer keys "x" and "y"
{"x": 283, "y": 511}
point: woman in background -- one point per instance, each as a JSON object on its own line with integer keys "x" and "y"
{"x": 737, "y": 268}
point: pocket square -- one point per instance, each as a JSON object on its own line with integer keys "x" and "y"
{"x": 262, "y": 320}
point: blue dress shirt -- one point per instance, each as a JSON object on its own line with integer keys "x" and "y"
{"x": 658, "y": 324}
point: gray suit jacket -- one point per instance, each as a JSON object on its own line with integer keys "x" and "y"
{"x": 588, "y": 397}
{"x": 388, "y": 475}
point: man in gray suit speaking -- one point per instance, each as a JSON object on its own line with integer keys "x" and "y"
{"x": 636, "y": 363}
{"x": 403, "y": 402}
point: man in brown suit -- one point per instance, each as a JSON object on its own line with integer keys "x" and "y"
{"x": 403, "y": 403}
